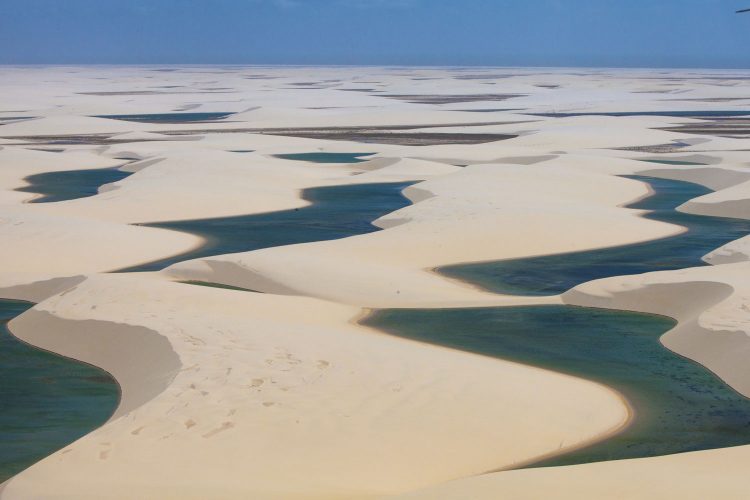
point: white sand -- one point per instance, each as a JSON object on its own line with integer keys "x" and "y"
{"x": 266, "y": 384}
{"x": 232, "y": 394}
{"x": 480, "y": 213}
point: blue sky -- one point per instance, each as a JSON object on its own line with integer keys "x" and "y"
{"x": 622, "y": 33}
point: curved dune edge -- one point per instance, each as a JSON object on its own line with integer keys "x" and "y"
{"x": 81, "y": 246}
{"x": 708, "y": 304}
{"x": 732, "y": 252}
{"x": 706, "y": 296}
{"x": 35, "y": 288}
{"x": 16, "y": 485}
{"x": 552, "y": 203}
{"x": 690, "y": 476}
{"x": 142, "y": 361}
{"x": 273, "y": 400}
{"x": 409, "y": 279}
{"x": 100, "y": 464}
{"x": 41, "y": 242}
{"x": 138, "y": 382}
{"x": 100, "y": 233}
{"x": 705, "y": 301}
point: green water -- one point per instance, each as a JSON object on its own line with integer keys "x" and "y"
{"x": 46, "y": 401}
{"x": 319, "y": 157}
{"x": 554, "y": 274}
{"x": 679, "y": 405}
{"x": 70, "y": 184}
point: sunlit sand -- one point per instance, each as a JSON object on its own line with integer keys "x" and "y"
{"x": 273, "y": 382}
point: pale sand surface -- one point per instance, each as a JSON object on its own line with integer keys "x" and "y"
{"x": 736, "y": 251}
{"x": 692, "y": 476}
{"x": 476, "y": 214}
{"x": 243, "y": 387}
{"x": 232, "y": 394}
{"x": 711, "y": 306}
{"x": 30, "y": 232}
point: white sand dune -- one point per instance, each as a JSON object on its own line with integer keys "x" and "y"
{"x": 19, "y": 163}
{"x": 69, "y": 125}
{"x": 480, "y": 213}
{"x": 692, "y": 476}
{"x": 711, "y": 307}
{"x": 282, "y": 395}
{"x": 736, "y": 251}
{"x": 263, "y": 383}
{"x": 710, "y": 304}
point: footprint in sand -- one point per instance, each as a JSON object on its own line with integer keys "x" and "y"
{"x": 224, "y": 427}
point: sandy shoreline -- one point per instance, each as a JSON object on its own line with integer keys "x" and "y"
{"x": 225, "y": 392}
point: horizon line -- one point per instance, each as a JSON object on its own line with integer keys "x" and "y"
{"x": 371, "y": 65}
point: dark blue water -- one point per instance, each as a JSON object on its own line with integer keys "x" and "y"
{"x": 335, "y": 212}
{"x": 169, "y": 117}
{"x": 71, "y": 184}
{"x": 679, "y": 405}
{"x": 554, "y": 274}
{"x": 319, "y": 157}
{"x": 675, "y": 162}
{"x": 46, "y": 401}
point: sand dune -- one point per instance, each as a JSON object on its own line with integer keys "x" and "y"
{"x": 713, "y": 330}
{"x": 281, "y": 395}
{"x": 476, "y": 214}
{"x": 285, "y": 382}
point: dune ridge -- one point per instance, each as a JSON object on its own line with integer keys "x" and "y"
{"x": 225, "y": 392}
